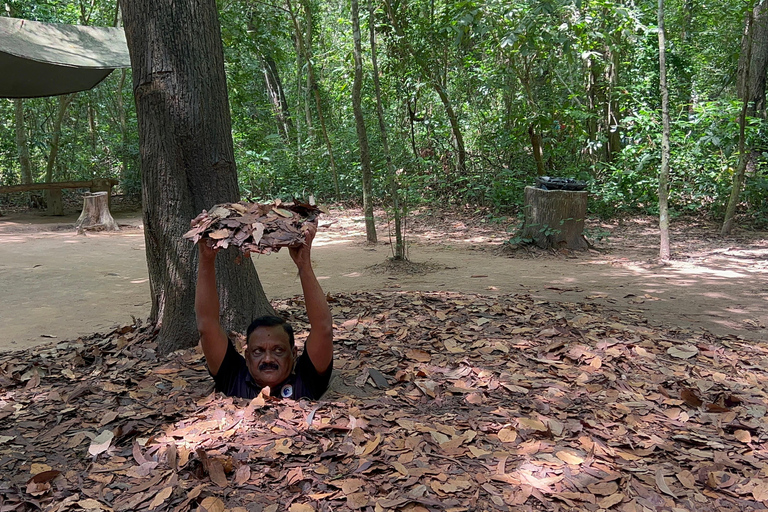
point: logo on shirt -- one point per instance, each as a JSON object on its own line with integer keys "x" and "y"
{"x": 287, "y": 391}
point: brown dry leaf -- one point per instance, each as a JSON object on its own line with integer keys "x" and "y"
{"x": 611, "y": 500}
{"x": 661, "y": 483}
{"x": 531, "y": 424}
{"x": 569, "y": 457}
{"x": 603, "y": 488}
{"x": 690, "y": 398}
{"x": 219, "y": 234}
{"x": 301, "y": 507}
{"x": 242, "y": 474}
{"x": 213, "y": 504}
{"x": 507, "y": 435}
{"x": 760, "y": 492}
{"x": 160, "y": 497}
{"x": 743, "y": 435}
{"x": 371, "y": 445}
{"x": 357, "y": 500}
{"x": 687, "y": 479}
{"x": 418, "y": 355}
{"x": 38, "y": 468}
{"x": 352, "y": 485}
{"x": 216, "y": 471}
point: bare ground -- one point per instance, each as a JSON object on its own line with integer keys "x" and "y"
{"x": 56, "y": 284}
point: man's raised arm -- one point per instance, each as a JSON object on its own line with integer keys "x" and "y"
{"x": 319, "y": 344}
{"x": 212, "y": 336}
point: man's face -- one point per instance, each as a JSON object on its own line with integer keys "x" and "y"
{"x": 269, "y": 355}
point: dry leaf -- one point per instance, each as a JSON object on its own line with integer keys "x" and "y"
{"x": 507, "y": 435}
{"x": 160, "y": 497}
{"x": 683, "y": 351}
{"x": 101, "y": 442}
{"x": 569, "y": 457}
{"x": 301, "y": 507}
{"x": 213, "y": 504}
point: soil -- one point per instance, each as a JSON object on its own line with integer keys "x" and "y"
{"x": 57, "y": 284}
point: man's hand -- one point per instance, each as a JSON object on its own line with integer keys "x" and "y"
{"x": 207, "y": 253}
{"x": 301, "y": 254}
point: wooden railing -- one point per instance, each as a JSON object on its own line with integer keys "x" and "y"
{"x": 55, "y": 204}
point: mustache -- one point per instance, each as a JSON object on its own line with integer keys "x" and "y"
{"x": 268, "y": 366}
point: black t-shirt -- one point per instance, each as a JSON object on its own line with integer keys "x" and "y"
{"x": 234, "y": 379}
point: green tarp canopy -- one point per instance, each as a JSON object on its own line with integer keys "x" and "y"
{"x": 46, "y": 59}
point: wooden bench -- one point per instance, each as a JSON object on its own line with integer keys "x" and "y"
{"x": 55, "y": 204}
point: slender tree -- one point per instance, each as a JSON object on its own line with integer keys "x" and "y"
{"x": 362, "y": 133}
{"x": 21, "y": 142}
{"x": 744, "y": 157}
{"x": 394, "y": 192}
{"x": 664, "y": 171}
{"x": 187, "y": 159}
{"x": 61, "y": 110}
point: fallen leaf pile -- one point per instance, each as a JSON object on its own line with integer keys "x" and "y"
{"x": 253, "y": 227}
{"x": 441, "y": 401}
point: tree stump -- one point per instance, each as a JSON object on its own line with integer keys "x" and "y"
{"x": 554, "y": 219}
{"x": 96, "y": 214}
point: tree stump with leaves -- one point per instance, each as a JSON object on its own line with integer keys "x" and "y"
{"x": 554, "y": 219}
{"x": 95, "y": 214}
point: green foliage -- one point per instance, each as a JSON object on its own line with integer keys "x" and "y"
{"x": 553, "y": 68}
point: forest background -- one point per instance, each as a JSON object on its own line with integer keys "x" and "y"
{"x": 479, "y": 98}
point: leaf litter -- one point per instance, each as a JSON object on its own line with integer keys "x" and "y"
{"x": 254, "y": 227}
{"x": 441, "y": 401}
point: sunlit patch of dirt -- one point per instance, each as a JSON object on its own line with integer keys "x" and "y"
{"x": 405, "y": 267}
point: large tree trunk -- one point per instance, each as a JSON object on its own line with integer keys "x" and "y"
{"x": 664, "y": 171}
{"x": 187, "y": 159}
{"x": 362, "y": 134}
{"x": 394, "y": 192}
{"x": 21, "y": 143}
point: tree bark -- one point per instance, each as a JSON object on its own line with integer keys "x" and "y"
{"x": 394, "y": 192}
{"x": 536, "y": 146}
{"x": 664, "y": 171}
{"x": 123, "y": 127}
{"x": 187, "y": 159}
{"x": 554, "y": 219}
{"x": 362, "y": 133}
{"x": 21, "y": 143}
{"x": 753, "y": 61}
{"x": 744, "y": 156}
{"x": 277, "y": 98}
{"x": 64, "y": 102}
{"x": 612, "y": 114}
{"x": 96, "y": 214}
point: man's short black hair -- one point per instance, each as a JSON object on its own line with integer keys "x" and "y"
{"x": 270, "y": 321}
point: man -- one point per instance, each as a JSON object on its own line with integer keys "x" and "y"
{"x": 271, "y": 355}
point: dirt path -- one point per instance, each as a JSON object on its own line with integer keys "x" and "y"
{"x": 56, "y": 284}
